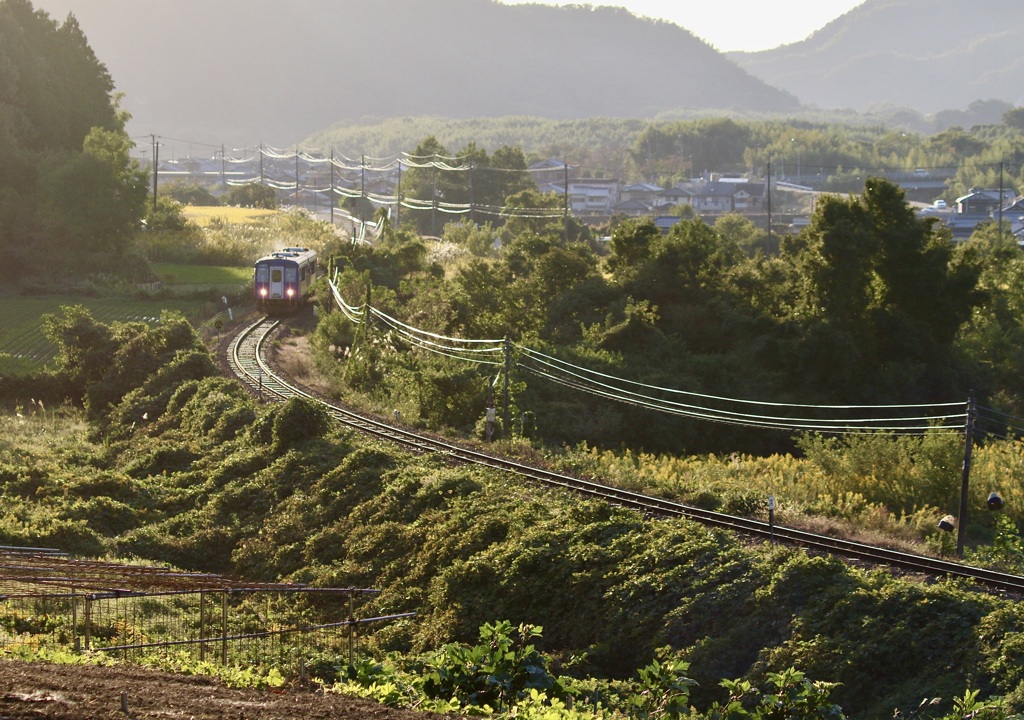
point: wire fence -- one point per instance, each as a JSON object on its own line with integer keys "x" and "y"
{"x": 48, "y": 601}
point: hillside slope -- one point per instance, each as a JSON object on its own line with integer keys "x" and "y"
{"x": 928, "y": 55}
{"x": 251, "y": 70}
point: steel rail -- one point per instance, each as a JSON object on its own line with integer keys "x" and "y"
{"x": 248, "y": 362}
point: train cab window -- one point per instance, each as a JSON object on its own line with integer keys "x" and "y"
{"x": 291, "y": 274}
{"x": 262, "y": 273}
{"x": 275, "y": 275}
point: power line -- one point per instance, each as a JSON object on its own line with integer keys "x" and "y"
{"x": 867, "y": 419}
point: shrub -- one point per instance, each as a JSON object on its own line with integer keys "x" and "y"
{"x": 298, "y": 421}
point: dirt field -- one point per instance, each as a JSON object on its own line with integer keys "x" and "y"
{"x": 84, "y": 692}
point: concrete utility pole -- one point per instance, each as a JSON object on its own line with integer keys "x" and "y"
{"x": 961, "y": 522}
{"x": 156, "y": 165}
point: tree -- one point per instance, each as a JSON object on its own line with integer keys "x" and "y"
{"x": 531, "y": 211}
{"x": 1014, "y": 118}
{"x": 252, "y": 195}
{"x": 99, "y": 196}
{"x": 68, "y": 187}
{"x": 191, "y": 194}
{"x": 741, "y": 231}
{"x": 423, "y": 188}
{"x": 882, "y": 296}
{"x": 836, "y": 261}
{"x": 632, "y": 240}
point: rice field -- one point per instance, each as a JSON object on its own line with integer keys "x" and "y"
{"x": 24, "y": 349}
{"x": 204, "y": 216}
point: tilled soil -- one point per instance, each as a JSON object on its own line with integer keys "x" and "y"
{"x": 88, "y": 692}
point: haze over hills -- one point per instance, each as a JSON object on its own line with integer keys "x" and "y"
{"x": 227, "y": 70}
{"x": 927, "y": 55}
{"x": 249, "y": 71}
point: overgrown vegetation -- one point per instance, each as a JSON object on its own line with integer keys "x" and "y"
{"x": 178, "y": 465}
{"x": 158, "y": 457}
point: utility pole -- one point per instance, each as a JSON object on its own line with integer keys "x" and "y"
{"x": 330, "y": 190}
{"x": 398, "y": 194}
{"x": 433, "y": 205}
{"x": 156, "y": 165}
{"x": 961, "y": 523}
{"x": 470, "y": 181}
{"x": 508, "y": 369}
{"x": 1000, "y": 202}
{"x": 769, "y": 206}
{"x": 223, "y": 174}
{"x": 565, "y": 203}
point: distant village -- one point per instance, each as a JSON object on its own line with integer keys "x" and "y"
{"x": 784, "y": 204}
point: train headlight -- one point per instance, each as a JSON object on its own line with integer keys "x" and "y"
{"x": 263, "y": 292}
{"x": 289, "y": 292}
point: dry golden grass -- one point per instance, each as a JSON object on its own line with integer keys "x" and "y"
{"x": 203, "y": 216}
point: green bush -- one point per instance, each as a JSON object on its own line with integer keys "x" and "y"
{"x": 298, "y": 421}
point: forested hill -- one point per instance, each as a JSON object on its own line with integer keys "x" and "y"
{"x": 928, "y": 55}
{"x": 271, "y": 70}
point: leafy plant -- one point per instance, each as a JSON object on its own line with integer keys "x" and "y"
{"x": 496, "y": 673}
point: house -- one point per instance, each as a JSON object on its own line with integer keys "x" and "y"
{"x": 982, "y": 202}
{"x": 550, "y": 172}
{"x": 713, "y": 197}
{"x": 646, "y": 193}
{"x": 632, "y": 208}
{"x": 673, "y": 197}
{"x": 716, "y": 196}
{"x": 593, "y": 196}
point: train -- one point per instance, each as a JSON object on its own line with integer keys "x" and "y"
{"x": 283, "y": 280}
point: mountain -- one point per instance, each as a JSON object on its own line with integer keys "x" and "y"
{"x": 275, "y": 71}
{"x": 926, "y": 55}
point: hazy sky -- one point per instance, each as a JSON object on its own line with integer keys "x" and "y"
{"x": 734, "y": 24}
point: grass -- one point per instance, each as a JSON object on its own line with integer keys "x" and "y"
{"x": 204, "y": 216}
{"x": 24, "y": 349}
{"x": 175, "y": 274}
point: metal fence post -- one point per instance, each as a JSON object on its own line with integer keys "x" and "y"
{"x": 202, "y": 625}
{"x": 224, "y": 628}
{"x": 88, "y": 620}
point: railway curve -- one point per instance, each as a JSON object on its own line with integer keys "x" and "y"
{"x": 246, "y": 358}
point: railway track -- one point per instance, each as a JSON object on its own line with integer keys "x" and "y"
{"x": 247, "y": 360}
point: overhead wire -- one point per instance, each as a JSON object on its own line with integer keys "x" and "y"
{"x": 564, "y": 373}
{"x": 873, "y": 424}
